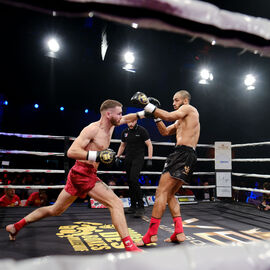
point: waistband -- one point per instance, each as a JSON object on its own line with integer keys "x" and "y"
{"x": 184, "y": 147}
{"x": 85, "y": 165}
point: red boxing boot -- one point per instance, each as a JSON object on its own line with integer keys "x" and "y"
{"x": 129, "y": 245}
{"x": 178, "y": 230}
{"x": 151, "y": 235}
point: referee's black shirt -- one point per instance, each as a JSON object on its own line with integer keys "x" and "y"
{"x": 135, "y": 141}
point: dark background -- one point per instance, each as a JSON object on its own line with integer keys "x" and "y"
{"x": 165, "y": 63}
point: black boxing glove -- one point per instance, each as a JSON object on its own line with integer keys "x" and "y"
{"x": 139, "y": 99}
{"x": 149, "y": 115}
{"x": 154, "y": 101}
{"x": 105, "y": 156}
{"x": 118, "y": 162}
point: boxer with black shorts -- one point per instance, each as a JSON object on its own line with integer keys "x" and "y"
{"x": 179, "y": 165}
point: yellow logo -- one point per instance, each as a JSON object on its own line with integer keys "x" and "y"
{"x": 85, "y": 236}
{"x": 187, "y": 169}
{"x": 143, "y": 99}
{"x": 106, "y": 157}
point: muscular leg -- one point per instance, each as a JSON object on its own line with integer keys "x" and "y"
{"x": 172, "y": 201}
{"x": 175, "y": 210}
{"x": 63, "y": 201}
{"x": 166, "y": 187}
{"x": 102, "y": 193}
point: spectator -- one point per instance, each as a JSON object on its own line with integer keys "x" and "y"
{"x": 208, "y": 193}
{"x": 184, "y": 192}
{"x": 38, "y": 198}
{"x": 265, "y": 204}
{"x": 10, "y": 199}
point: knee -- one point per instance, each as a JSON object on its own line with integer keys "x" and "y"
{"x": 161, "y": 193}
{"x": 116, "y": 203}
{"x": 171, "y": 197}
{"x": 55, "y": 211}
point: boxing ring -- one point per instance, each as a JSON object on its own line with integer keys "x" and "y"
{"x": 220, "y": 234}
{"x": 217, "y": 226}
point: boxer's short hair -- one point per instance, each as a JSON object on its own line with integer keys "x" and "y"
{"x": 109, "y": 104}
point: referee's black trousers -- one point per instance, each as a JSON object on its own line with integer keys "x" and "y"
{"x": 133, "y": 168}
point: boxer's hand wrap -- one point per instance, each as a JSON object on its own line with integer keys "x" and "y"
{"x": 105, "y": 156}
{"x": 157, "y": 120}
{"x": 140, "y": 114}
{"x": 152, "y": 105}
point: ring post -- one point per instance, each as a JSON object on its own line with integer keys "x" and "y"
{"x": 66, "y": 161}
{"x": 223, "y": 168}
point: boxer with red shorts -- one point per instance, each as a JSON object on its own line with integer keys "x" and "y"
{"x": 89, "y": 149}
{"x": 81, "y": 179}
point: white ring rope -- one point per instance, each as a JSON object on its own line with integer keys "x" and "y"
{"x": 122, "y": 172}
{"x": 250, "y": 144}
{"x": 251, "y": 159}
{"x": 252, "y": 189}
{"x": 99, "y": 172}
{"x": 33, "y": 136}
{"x": 23, "y": 152}
{"x": 252, "y": 175}
{"x": 126, "y": 187}
{"x": 32, "y": 187}
{"x": 31, "y": 171}
{"x": 112, "y": 187}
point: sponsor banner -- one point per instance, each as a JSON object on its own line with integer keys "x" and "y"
{"x": 96, "y": 204}
{"x": 126, "y": 203}
{"x": 150, "y": 200}
{"x": 223, "y": 156}
{"x": 181, "y": 199}
{"x": 185, "y": 199}
{"x": 223, "y": 179}
{"x": 224, "y": 192}
{"x": 224, "y": 184}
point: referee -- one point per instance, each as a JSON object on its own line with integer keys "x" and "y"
{"x": 133, "y": 141}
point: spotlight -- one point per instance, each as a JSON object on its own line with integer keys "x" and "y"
{"x": 62, "y": 108}
{"x": 206, "y": 76}
{"x": 86, "y": 111}
{"x": 129, "y": 57}
{"x": 5, "y": 102}
{"x": 250, "y": 82}
{"x": 134, "y": 25}
{"x": 53, "y": 45}
{"x": 36, "y": 106}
